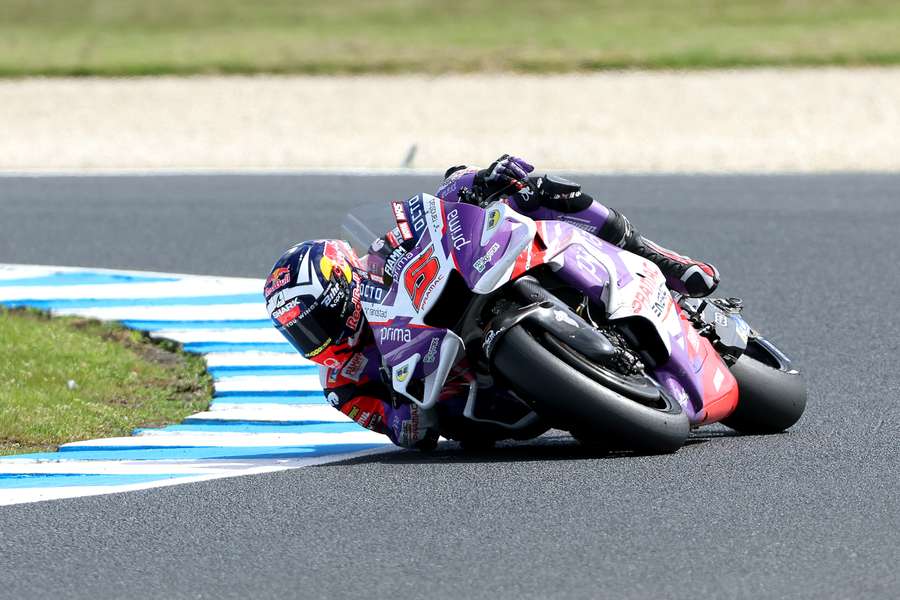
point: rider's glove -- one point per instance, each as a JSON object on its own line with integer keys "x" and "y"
{"x": 506, "y": 174}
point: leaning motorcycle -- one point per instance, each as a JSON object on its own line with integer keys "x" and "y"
{"x": 585, "y": 335}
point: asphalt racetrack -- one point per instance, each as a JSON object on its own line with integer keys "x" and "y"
{"x": 813, "y": 513}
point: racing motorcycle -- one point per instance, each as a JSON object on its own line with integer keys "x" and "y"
{"x": 584, "y": 335}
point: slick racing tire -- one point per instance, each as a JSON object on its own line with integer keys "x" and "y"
{"x": 771, "y": 395}
{"x": 571, "y": 398}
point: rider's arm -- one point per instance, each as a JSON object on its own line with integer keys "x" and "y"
{"x": 370, "y": 405}
{"x": 508, "y": 178}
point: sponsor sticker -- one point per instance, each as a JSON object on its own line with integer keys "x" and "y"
{"x": 562, "y": 317}
{"x": 396, "y": 261}
{"x": 416, "y": 214}
{"x": 279, "y": 278}
{"x": 651, "y": 290}
{"x": 376, "y": 313}
{"x": 355, "y": 366}
{"x": 356, "y": 315}
{"x": 434, "y": 213}
{"x": 371, "y": 292}
{"x": 431, "y": 354}
{"x": 333, "y": 295}
{"x": 287, "y": 314}
{"x": 320, "y": 349}
{"x": 582, "y": 224}
{"x": 394, "y": 334}
{"x": 457, "y": 236}
{"x": 493, "y": 218}
{"x": 482, "y": 263}
{"x": 399, "y": 212}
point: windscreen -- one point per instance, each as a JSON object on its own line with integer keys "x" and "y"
{"x": 364, "y": 224}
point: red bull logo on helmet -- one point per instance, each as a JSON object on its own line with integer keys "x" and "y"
{"x": 279, "y": 278}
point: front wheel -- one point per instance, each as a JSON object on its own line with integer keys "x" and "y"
{"x": 572, "y": 398}
{"x": 771, "y": 395}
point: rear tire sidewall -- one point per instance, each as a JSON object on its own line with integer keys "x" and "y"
{"x": 770, "y": 400}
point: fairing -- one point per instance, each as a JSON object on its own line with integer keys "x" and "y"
{"x": 488, "y": 248}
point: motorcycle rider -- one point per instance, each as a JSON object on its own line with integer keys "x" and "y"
{"x": 313, "y": 296}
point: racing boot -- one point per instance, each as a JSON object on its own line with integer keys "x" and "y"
{"x": 684, "y": 275}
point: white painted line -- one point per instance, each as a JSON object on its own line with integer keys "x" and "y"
{"x": 24, "y": 272}
{"x": 185, "y": 276}
{"x": 267, "y": 335}
{"x": 272, "y": 383}
{"x": 137, "y": 289}
{"x": 212, "y": 312}
{"x": 20, "y": 496}
{"x": 254, "y": 359}
{"x": 203, "y": 439}
{"x": 272, "y": 412}
{"x": 182, "y": 172}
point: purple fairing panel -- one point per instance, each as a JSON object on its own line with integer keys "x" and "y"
{"x": 590, "y": 276}
{"x": 451, "y": 186}
{"x": 561, "y": 235}
{"x": 682, "y": 377}
{"x": 463, "y": 227}
{"x": 590, "y": 219}
{"x": 683, "y": 373}
{"x": 397, "y": 341}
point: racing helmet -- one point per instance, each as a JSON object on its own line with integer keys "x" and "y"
{"x": 313, "y": 298}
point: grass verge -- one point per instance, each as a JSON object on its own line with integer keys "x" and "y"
{"x": 136, "y": 37}
{"x": 122, "y": 380}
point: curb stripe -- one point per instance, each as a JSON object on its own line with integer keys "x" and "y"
{"x": 82, "y": 278}
{"x": 40, "y": 480}
{"x": 154, "y": 453}
{"x": 208, "y": 347}
{"x": 267, "y": 414}
{"x": 224, "y": 372}
{"x": 235, "y": 396}
{"x": 71, "y": 303}
{"x": 259, "y": 427}
{"x": 298, "y": 398}
{"x": 160, "y": 325}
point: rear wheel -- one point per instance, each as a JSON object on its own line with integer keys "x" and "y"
{"x": 595, "y": 403}
{"x": 771, "y": 396}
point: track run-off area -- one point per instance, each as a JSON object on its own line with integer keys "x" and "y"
{"x": 809, "y": 513}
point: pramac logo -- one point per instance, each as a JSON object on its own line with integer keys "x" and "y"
{"x": 420, "y": 274}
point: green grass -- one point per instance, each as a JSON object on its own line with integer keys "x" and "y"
{"x": 141, "y": 37}
{"x": 122, "y": 380}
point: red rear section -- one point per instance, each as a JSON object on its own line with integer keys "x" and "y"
{"x": 720, "y": 389}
